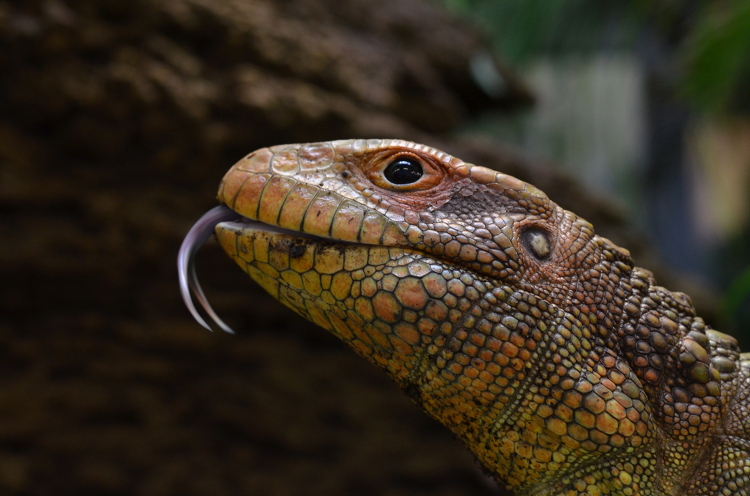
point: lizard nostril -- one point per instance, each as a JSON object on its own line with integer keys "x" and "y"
{"x": 537, "y": 242}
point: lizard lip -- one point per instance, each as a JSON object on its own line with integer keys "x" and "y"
{"x": 245, "y": 223}
{"x": 197, "y": 237}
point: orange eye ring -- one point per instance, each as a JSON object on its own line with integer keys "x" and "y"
{"x": 403, "y": 171}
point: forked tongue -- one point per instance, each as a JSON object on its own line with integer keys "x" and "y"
{"x": 196, "y": 237}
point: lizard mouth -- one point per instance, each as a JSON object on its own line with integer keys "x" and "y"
{"x": 198, "y": 235}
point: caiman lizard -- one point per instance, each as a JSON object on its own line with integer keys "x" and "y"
{"x": 564, "y": 368}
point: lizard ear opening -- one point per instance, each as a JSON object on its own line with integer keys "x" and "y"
{"x": 537, "y": 243}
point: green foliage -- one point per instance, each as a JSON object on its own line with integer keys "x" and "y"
{"x": 735, "y": 308}
{"x": 522, "y": 29}
{"x": 717, "y": 54}
{"x": 715, "y": 38}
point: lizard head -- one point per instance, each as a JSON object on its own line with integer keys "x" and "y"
{"x": 481, "y": 297}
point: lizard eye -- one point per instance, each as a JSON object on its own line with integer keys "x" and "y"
{"x": 537, "y": 242}
{"x": 403, "y": 171}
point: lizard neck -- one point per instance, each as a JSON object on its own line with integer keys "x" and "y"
{"x": 569, "y": 411}
{"x": 689, "y": 372}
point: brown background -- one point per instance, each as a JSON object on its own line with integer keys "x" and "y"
{"x": 117, "y": 121}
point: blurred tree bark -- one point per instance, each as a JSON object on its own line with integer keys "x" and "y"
{"x": 117, "y": 121}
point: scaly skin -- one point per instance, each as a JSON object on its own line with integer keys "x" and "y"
{"x": 568, "y": 373}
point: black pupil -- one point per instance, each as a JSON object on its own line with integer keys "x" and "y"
{"x": 403, "y": 171}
